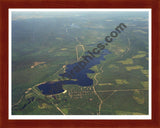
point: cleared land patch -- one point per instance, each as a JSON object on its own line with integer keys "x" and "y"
{"x": 102, "y": 84}
{"x": 121, "y": 81}
{"x": 37, "y": 63}
{"x": 145, "y": 84}
{"x": 138, "y": 97}
{"x": 141, "y": 54}
{"x": 134, "y": 67}
{"x": 145, "y": 72}
{"x": 44, "y": 106}
{"x": 127, "y": 61}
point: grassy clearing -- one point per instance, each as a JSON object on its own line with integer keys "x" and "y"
{"x": 102, "y": 84}
{"x": 138, "y": 97}
{"x": 134, "y": 67}
{"x": 65, "y": 110}
{"x": 145, "y": 84}
{"x": 141, "y": 52}
{"x": 127, "y": 61}
{"x": 120, "y": 81}
{"x": 94, "y": 68}
{"x": 44, "y": 106}
{"x": 63, "y": 49}
{"x": 58, "y": 38}
{"x": 113, "y": 66}
{"x": 145, "y": 72}
{"x": 139, "y": 56}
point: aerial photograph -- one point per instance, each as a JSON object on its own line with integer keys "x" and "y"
{"x": 79, "y": 62}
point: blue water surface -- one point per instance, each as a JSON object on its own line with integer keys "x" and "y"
{"x": 80, "y": 78}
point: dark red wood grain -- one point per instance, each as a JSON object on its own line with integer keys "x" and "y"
{"x": 6, "y": 4}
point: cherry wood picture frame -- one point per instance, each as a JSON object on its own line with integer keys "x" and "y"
{"x": 106, "y": 4}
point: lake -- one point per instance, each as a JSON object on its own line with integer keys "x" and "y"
{"x": 80, "y": 78}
